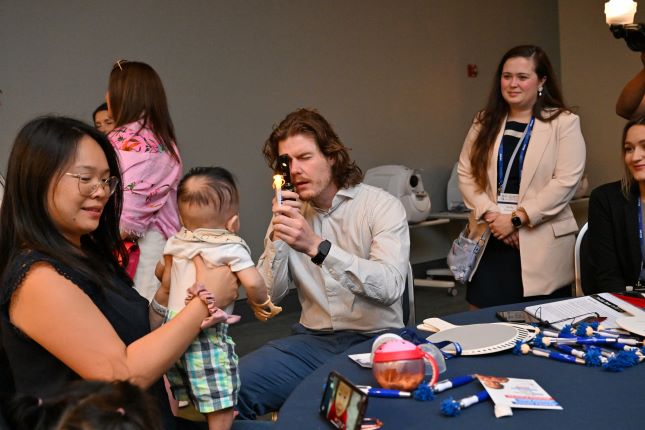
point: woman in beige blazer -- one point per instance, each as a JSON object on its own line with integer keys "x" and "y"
{"x": 519, "y": 167}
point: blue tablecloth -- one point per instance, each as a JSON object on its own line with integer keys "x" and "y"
{"x": 591, "y": 397}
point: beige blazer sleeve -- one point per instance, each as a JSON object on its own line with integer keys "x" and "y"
{"x": 552, "y": 170}
{"x": 553, "y": 167}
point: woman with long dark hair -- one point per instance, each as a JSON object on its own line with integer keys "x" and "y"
{"x": 519, "y": 167}
{"x": 67, "y": 307}
{"x": 144, "y": 138}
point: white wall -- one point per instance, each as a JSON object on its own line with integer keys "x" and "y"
{"x": 390, "y": 76}
{"x": 595, "y": 67}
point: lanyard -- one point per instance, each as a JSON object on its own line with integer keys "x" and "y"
{"x": 640, "y": 239}
{"x": 521, "y": 146}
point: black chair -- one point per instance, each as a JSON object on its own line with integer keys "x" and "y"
{"x": 582, "y": 263}
{"x": 1, "y": 187}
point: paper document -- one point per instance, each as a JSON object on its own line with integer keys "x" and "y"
{"x": 363, "y": 360}
{"x": 607, "y": 305}
{"x": 518, "y": 393}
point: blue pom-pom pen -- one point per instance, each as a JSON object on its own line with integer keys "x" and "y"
{"x": 620, "y": 340}
{"x": 557, "y": 356}
{"x": 383, "y": 392}
{"x": 622, "y": 347}
{"x": 591, "y": 359}
{"x": 451, "y": 408}
{"x": 597, "y": 340}
{"x": 553, "y": 355}
{"x": 551, "y": 333}
{"x": 449, "y": 383}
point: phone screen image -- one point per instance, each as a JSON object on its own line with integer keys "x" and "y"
{"x": 343, "y": 404}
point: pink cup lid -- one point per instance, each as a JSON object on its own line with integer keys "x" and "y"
{"x": 398, "y": 349}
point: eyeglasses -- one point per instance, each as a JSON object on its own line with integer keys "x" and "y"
{"x": 87, "y": 187}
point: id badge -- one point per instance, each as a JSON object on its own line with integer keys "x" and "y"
{"x": 507, "y": 202}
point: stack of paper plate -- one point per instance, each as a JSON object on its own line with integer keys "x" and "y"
{"x": 634, "y": 325}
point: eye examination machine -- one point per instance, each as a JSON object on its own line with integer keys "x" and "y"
{"x": 406, "y": 185}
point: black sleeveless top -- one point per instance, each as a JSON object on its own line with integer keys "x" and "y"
{"x": 35, "y": 371}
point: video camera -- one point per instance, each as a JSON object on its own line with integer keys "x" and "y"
{"x": 634, "y": 35}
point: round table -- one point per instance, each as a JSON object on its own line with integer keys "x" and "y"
{"x": 590, "y": 397}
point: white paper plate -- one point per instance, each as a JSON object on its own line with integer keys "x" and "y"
{"x": 634, "y": 325}
{"x": 478, "y": 339}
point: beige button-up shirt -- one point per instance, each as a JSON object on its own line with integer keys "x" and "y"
{"x": 360, "y": 284}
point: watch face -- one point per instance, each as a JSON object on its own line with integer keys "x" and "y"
{"x": 324, "y": 247}
{"x": 323, "y": 250}
{"x": 517, "y": 221}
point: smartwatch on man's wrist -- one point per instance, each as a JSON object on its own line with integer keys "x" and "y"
{"x": 323, "y": 250}
{"x": 516, "y": 220}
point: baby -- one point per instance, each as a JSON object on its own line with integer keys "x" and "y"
{"x": 208, "y": 208}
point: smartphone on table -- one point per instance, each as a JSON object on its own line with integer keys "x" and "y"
{"x": 517, "y": 317}
{"x": 343, "y": 404}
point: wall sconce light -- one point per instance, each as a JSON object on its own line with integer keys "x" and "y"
{"x": 620, "y": 17}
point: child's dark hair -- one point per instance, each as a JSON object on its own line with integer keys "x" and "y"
{"x": 87, "y": 405}
{"x": 217, "y": 189}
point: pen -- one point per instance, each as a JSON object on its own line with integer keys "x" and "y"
{"x": 451, "y": 407}
{"x": 619, "y": 340}
{"x": 383, "y": 392}
{"x": 556, "y": 356}
{"x": 590, "y": 357}
{"x": 551, "y": 354}
{"x": 452, "y": 383}
{"x": 591, "y": 340}
{"x": 623, "y": 347}
{"x": 550, "y": 333}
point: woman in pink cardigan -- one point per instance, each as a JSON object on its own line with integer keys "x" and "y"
{"x": 151, "y": 168}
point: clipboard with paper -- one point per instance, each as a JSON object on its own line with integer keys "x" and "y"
{"x": 558, "y": 314}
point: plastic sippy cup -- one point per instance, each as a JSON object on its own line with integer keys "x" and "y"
{"x": 400, "y": 365}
